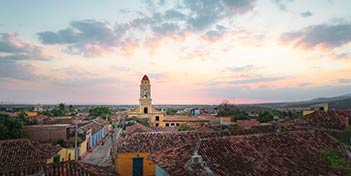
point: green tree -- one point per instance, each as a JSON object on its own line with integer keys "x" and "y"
{"x": 331, "y": 158}
{"x": 171, "y": 111}
{"x": 57, "y": 112}
{"x": 226, "y": 109}
{"x": 48, "y": 113}
{"x": 265, "y": 117}
{"x": 100, "y": 112}
{"x": 143, "y": 121}
{"x": 22, "y": 115}
{"x": 10, "y": 128}
{"x": 185, "y": 127}
{"x": 239, "y": 115}
{"x": 62, "y": 107}
{"x": 71, "y": 108}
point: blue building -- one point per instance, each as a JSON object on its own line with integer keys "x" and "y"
{"x": 97, "y": 133}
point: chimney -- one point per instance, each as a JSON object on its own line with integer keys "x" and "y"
{"x": 197, "y": 159}
{"x": 347, "y": 121}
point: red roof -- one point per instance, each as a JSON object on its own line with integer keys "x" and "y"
{"x": 145, "y": 78}
{"x": 286, "y": 153}
{"x": 328, "y": 119}
{"x": 247, "y": 123}
{"x": 138, "y": 128}
{"x": 61, "y": 168}
{"x": 26, "y": 157}
{"x": 158, "y": 141}
{"x": 18, "y": 153}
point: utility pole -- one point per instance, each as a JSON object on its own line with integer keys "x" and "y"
{"x": 75, "y": 140}
{"x": 113, "y": 154}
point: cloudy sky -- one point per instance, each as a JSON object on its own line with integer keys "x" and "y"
{"x": 247, "y": 51}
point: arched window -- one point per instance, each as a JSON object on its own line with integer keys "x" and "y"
{"x": 145, "y": 110}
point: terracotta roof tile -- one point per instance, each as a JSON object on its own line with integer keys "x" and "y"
{"x": 62, "y": 168}
{"x": 157, "y": 141}
{"x": 25, "y": 157}
{"x": 47, "y": 150}
{"x": 19, "y": 153}
{"x": 286, "y": 153}
{"x": 137, "y": 128}
{"x": 329, "y": 119}
{"x": 94, "y": 126}
{"x": 247, "y": 123}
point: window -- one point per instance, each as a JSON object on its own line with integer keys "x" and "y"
{"x": 157, "y": 118}
{"x": 145, "y": 110}
{"x": 157, "y": 124}
{"x": 177, "y": 124}
{"x": 57, "y": 158}
{"x": 172, "y": 124}
{"x": 167, "y": 124}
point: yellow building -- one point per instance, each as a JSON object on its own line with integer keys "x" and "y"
{"x": 83, "y": 148}
{"x": 135, "y": 164}
{"x": 316, "y": 107}
{"x": 145, "y": 109}
{"x": 60, "y": 154}
{"x": 177, "y": 120}
{"x": 65, "y": 154}
{"x": 31, "y": 114}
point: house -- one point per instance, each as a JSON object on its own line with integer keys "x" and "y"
{"x": 31, "y": 114}
{"x": 138, "y": 128}
{"x": 135, "y": 149}
{"x": 50, "y": 133}
{"x": 25, "y": 157}
{"x": 105, "y": 123}
{"x": 336, "y": 119}
{"x": 276, "y": 154}
{"x": 19, "y": 153}
{"x": 82, "y": 147}
{"x": 95, "y": 132}
{"x": 247, "y": 123}
{"x": 316, "y": 107}
{"x": 38, "y": 108}
{"x": 49, "y": 152}
{"x": 177, "y": 120}
{"x": 195, "y": 112}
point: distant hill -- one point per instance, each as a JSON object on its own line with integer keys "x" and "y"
{"x": 323, "y": 99}
{"x": 338, "y": 102}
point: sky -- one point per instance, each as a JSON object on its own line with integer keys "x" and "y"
{"x": 194, "y": 52}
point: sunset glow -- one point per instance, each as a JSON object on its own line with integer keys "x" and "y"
{"x": 194, "y": 52}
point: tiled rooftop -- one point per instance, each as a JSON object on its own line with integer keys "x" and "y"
{"x": 286, "y": 153}
{"x": 94, "y": 126}
{"x": 137, "y": 128}
{"x": 47, "y": 150}
{"x": 19, "y": 153}
{"x": 101, "y": 121}
{"x": 62, "y": 168}
{"x": 329, "y": 119}
{"x": 25, "y": 157}
{"x": 78, "y": 168}
{"x": 247, "y": 123}
{"x": 156, "y": 141}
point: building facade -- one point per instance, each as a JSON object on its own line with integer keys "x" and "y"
{"x": 145, "y": 108}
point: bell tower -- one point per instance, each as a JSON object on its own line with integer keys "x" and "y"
{"x": 145, "y": 96}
